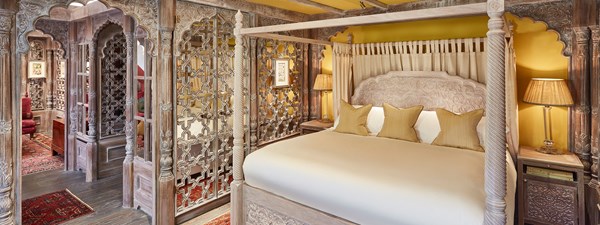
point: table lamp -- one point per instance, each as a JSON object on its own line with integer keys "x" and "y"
{"x": 323, "y": 83}
{"x": 548, "y": 92}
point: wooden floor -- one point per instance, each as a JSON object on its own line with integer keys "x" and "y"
{"x": 105, "y": 196}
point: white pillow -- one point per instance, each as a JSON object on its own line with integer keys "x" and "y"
{"x": 428, "y": 127}
{"x": 374, "y": 120}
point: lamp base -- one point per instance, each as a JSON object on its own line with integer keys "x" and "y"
{"x": 549, "y": 148}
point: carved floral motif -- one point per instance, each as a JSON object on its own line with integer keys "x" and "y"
{"x": 258, "y": 214}
{"x": 5, "y": 127}
{"x": 551, "y": 204}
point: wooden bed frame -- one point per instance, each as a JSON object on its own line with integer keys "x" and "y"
{"x": 250, "y": 205}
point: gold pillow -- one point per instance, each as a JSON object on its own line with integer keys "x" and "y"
{"x": 400, "y": 123}
{"x": 459, "y": 131}
{"x": 353, "y": 120}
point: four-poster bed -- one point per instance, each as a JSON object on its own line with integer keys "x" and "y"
{"x": 252, "y": 204}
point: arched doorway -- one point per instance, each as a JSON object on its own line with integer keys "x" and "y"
{"x": 84, "y": 62}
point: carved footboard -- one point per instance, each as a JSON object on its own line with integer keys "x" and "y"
{"x": 262, "y": 207}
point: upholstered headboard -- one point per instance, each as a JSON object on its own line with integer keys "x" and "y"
{"x": 430, "y": 89}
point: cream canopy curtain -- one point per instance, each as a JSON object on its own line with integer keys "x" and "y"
{"x": 342, "y": 74}
{"x": 460, "y": 57}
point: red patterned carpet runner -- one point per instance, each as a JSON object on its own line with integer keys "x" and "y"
{"x": 37, "y": 155}
{"x": 53, "y": 208}
{"x": 221, "y": 220}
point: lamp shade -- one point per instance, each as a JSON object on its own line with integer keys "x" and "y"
{"x": 323, "y": 82}
{"x": 549, "y": 92}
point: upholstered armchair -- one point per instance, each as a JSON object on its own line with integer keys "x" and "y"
{"x": 27, "y": 122}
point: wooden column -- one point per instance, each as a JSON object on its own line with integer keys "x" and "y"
{"x": 495, "y": 160}
{"x": 237, "y": 205}
{"x": 8, "y": 125}
{"x": 91, "y": 172}
{"x": 49, "y": 77}
{"x": 165, "y": 193}
{"x": 71, "y": 106}
{"x": 315, "y": 69}
{"x": 129, "y": 30}
{"x": 592, "y": 194}
{"x": 580, "y": 112}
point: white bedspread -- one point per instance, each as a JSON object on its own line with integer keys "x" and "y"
{"x": 371, "y": 180}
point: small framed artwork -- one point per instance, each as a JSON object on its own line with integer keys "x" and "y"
{"x": 282, "y": 73}
{"x": 37, "y": 69}
{"x": 62, "y": 68}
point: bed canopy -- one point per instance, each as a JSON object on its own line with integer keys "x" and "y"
{"x": 495, "y": 143}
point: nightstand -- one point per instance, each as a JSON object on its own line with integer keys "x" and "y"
{"x": 314, "y": 126}
{"x": 550, "y": 188}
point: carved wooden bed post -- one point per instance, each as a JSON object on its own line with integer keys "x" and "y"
{"x": 7, "y": 166}
{"x": 495, "y": 160}
{"x": 238, "y": 126}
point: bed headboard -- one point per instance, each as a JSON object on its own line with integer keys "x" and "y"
{"x": 430, "y": 89}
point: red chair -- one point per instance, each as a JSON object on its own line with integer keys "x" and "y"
{"x": 27, "y": 122}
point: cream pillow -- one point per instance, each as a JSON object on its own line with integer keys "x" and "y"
{"x": 400, "y": 123}
{"x": 353, "y": 120}
{"x": 459, "y": 131}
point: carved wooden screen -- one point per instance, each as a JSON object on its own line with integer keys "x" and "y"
{"x": 280, "y": 109}
{"x": 204, "y": 109}
{"x": 113, "y": 87}
{"x": 36, "y": 86}
{"x": 60, "y": 82}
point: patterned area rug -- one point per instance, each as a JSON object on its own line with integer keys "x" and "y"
{"x": 53, "y": 208}
{"x": 221, "y": 220}
{"x": 37, "y": 155}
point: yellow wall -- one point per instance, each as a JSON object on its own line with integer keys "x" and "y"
{"x": 538, "y": 55}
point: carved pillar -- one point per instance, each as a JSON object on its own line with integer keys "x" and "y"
{"x": 495, "y": 160}
{"x": 128, "y": 30}
{"x": 315, "y": 69}
{"x": 91, "y": 146}
{"x": 7, "y": 215}
{"x": 580, "y": 113}
{"x": 593, "y": 195}
{"x": 165, "y": 200}
{"x": 238, "y": 126}
{"x": 71, "y": 110}
{"x": 49, "y": 76}
{"x": 305, "y": 83}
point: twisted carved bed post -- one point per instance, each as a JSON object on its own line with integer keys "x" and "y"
{"x": 495, "y": 160}
{"x": 238, "y": 126}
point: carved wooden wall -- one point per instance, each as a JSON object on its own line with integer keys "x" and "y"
{"x": 204, "y": 95}
{"x": 280, "y": 109}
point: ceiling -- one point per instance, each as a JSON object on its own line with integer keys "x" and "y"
{"x": 344, "y": 5}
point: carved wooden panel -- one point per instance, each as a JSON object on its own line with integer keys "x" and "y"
{"x": 258, "y": 215}
{"x": 204, "y": 89}
{"x": 113, "y": 87}
{"x": 551, "y": 203}
{"x": 36, "y": 93}
{"x": 59, "y": 30}
{"x": 280, "y": 110}
{"x": 60, "y": 96}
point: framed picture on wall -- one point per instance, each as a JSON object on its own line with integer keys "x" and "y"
{"x": 37, "y": 69}
{"x": 281, "y": 77}
{"x": 62, "y": 68}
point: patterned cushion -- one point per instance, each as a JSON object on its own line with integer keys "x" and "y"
{"x": 400, "y": 123}
{"x": 459, "y": 130}
{"x": 353, "y": 120}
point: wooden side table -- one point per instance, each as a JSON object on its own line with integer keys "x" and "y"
{"x": 550, "y": 188}
{"x": 314, "y": 126}
{"x": 58, "y": 137}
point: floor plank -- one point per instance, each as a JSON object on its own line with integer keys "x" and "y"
{"x": 104, "y": 196}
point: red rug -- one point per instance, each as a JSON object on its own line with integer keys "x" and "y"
{"x": 37, "y": 155}
{"x": 221, "y": 220}
{"x": 53, "y": 208}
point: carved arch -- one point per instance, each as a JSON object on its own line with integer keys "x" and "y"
{"x": 145, "y": 13}
{"x": 557, "y": 16}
